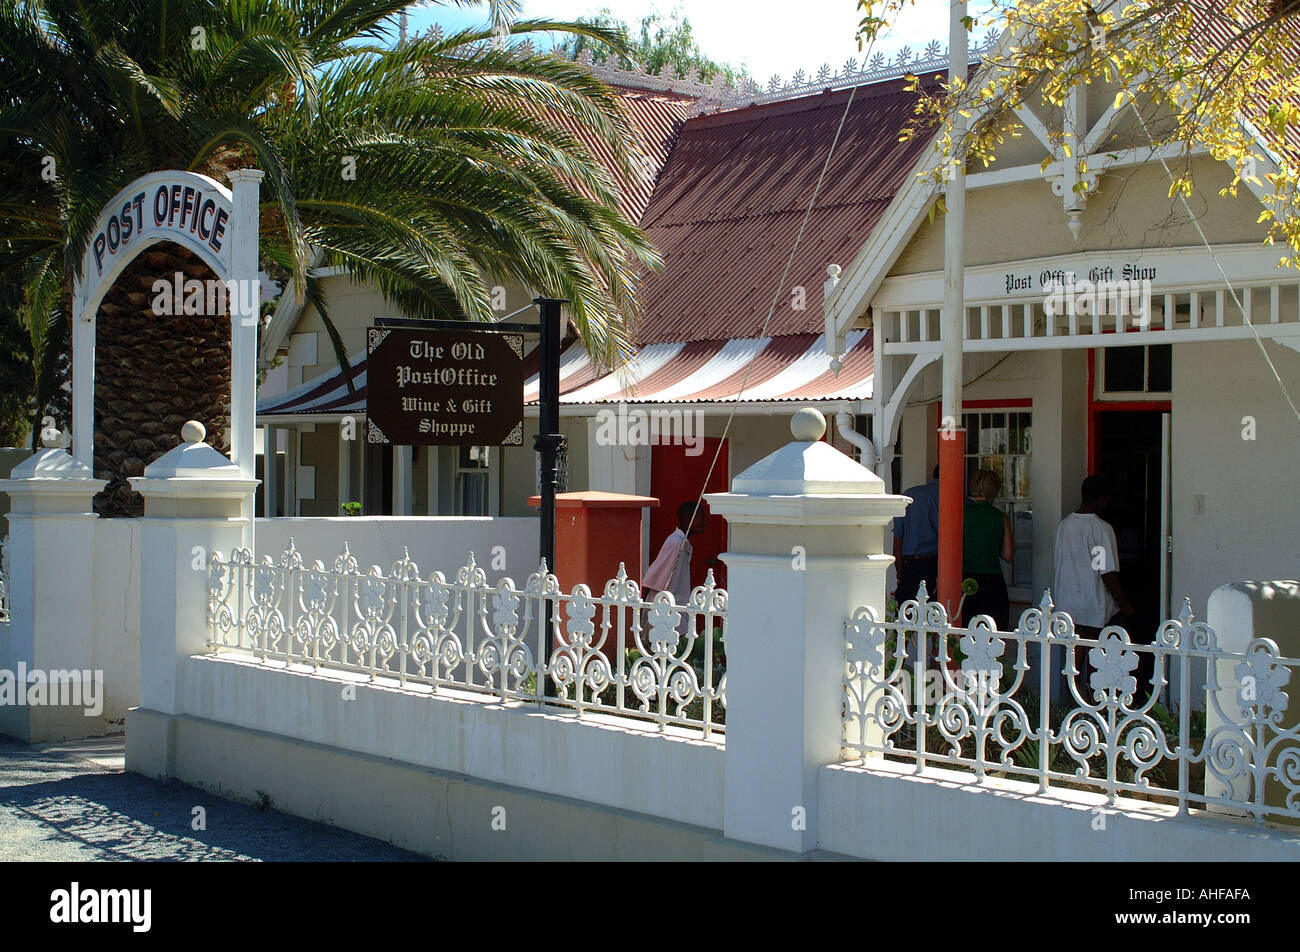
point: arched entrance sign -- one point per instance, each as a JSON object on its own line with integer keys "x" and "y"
{"x": 219, "y": 225}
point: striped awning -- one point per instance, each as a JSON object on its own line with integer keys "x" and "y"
{"x": 326, "y": 394}
{"x": 756, "y": 370}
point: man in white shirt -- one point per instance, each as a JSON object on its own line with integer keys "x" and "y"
{"x": 1087, "y": 566}
{"x": 1087, "y": 580}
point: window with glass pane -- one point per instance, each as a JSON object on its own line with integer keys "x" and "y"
{"x": 472, "y": 481}
{"x": 1137, "y": 369}
{"x": 1002, "y": 440}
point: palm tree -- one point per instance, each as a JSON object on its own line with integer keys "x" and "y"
{"x": 432, "y": 170}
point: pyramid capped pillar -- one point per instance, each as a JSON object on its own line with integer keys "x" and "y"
{"x": 50, "y": 565}
{"x": 807, "y": 548}
{"x": 193, "y": 498}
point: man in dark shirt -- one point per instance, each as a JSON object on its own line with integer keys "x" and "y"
{"x": 916, "y": 541}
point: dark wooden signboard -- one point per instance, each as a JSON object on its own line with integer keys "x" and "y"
{"x": 433, "y": 387}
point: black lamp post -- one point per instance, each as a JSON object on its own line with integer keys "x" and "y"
{"x": 548, "y": 439}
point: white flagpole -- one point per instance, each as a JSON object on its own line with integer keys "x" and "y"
{"x": 951, "y": 436}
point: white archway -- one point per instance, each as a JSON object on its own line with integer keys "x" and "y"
{"x": 219, "y": 225}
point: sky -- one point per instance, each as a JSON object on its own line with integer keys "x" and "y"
{"x": 763, "y": 35}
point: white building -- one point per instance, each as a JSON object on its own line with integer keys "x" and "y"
{"x": 1182, "y": 411}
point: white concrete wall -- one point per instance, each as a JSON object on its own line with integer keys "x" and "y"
{"x": 883, "y": 813}
{"x": 436, "y": 543}
{"x": 593, "y": 760}
{"x": 117, "y": 614}
{"x": 1249, "y": 486}
{"x": 889, "y": 813}
{"x": 434, "y": 812}
{"x": 112, "y": 605}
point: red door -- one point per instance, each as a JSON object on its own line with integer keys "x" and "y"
{"x": 676, "y": 477}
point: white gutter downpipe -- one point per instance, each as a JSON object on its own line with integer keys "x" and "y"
{"x": 835, "y": 347}
{"x": 844, "y": 423}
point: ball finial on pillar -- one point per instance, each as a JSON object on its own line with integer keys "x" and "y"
{"x": 808, "y": 425}
{"x": 193, "y": 432}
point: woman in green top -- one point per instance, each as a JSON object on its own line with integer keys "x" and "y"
{"x": 986, "y": 539}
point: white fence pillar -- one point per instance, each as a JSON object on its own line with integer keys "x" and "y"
{"x": 1239, "y": 613}
{"x": 51, "y": 556}
{"x": 192, "y": 507}
{"x": 807, "y": 548}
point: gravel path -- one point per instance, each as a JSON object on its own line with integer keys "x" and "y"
{"x": 72, "y": 801}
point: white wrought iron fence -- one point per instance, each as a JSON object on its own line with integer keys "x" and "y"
{"x": 615, "y": 653}
{"x": 4, "y": 580}
{"x": 923, "y": 691}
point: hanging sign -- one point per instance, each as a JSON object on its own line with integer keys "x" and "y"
{"x": 444, "y": 388}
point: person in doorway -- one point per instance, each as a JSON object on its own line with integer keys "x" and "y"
{"x": 671, "y": 569}
{"x": 986, "y": 539}
{"x": 916, "y": 542}
{"x": 1086, "y": 585}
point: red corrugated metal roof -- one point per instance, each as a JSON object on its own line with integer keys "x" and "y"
{"x": 655, "y": 118}
{"x": 1236, "y": 38}
{"x": 731, "y": 197}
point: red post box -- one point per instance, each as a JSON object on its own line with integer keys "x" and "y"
{"x": 594, "y": 532}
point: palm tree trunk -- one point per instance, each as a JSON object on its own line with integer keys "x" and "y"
{"x": 154, "y": 371}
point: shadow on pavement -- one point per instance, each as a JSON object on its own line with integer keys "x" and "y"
{"x": 73, "y": 807}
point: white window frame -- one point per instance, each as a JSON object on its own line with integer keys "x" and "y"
{"x": 493, "y": 473}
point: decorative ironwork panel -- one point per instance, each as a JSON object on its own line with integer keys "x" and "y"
{"x": 612, "y": 653}
{"x": 1177, "y": 721}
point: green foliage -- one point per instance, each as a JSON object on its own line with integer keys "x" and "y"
{"x": 432, "y": 170}
{"x": 1027, "y": 754}
{"x": 17, "y": 380}
{"x": 1188, "y": 72}
{"x": 351, "y": 508}
{"x": 658, "y": 40}
{"x": 34, "y": 362}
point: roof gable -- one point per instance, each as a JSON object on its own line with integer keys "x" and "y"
{"x": 732, "y": 196}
